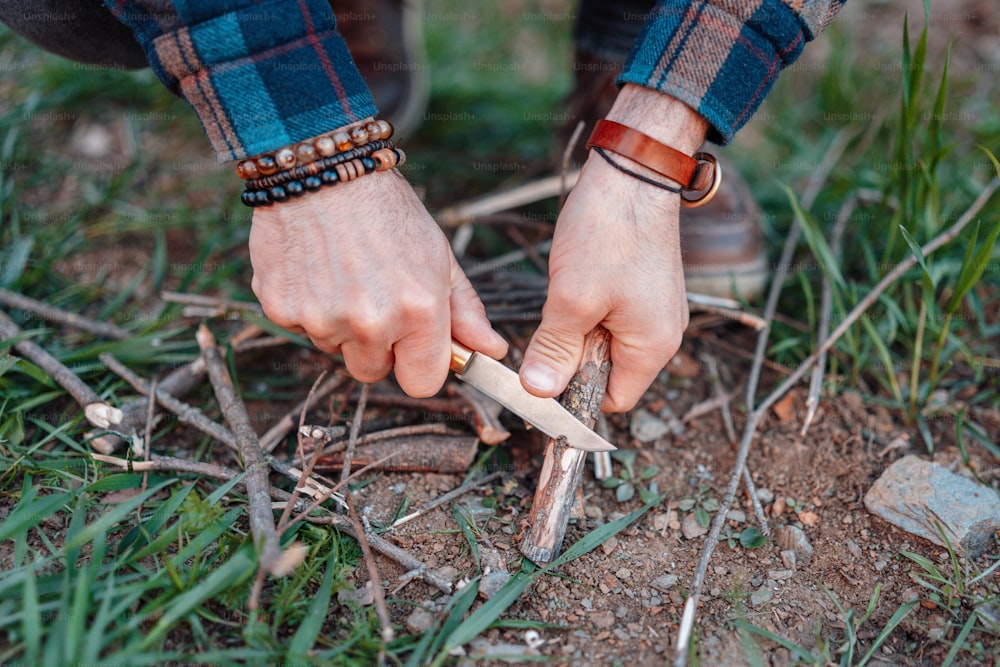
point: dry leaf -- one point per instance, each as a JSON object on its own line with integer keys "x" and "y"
{"x": 785, "y": 408}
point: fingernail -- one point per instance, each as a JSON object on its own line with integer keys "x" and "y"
{"x": 540, "y": 377}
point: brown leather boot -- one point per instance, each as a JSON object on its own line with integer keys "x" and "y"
{"x": 385, "y": 38}
{"x": 721, "y": 242}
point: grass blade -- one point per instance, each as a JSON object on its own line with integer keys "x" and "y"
{"x": 896, "y": 619}
{"x": 30, "y": 512}
{"x": 110, "y": 518}
{"x": 305, "y": 637}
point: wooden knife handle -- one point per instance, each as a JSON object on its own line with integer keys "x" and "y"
{"x": 460, "y": 356}
{"x": 563, "y": 468}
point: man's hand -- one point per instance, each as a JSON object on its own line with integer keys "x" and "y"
{"x": 363, "y": 270}
{"x": 616, "y": 261}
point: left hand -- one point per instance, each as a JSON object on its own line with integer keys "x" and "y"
{"x": 616, "y": 261}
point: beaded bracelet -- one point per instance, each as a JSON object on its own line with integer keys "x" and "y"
{"x": 311, "y": 150}
{"x": 380, "y": 160}
{"x": 313, "y": 168}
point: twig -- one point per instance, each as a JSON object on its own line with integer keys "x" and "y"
{"x": 258, "y": 497}
{"x": 178, "y": 383}
{"x": 747, "y": 319}
{"x": 355, "y": 430}
{"x": 302, "y": 408}
{"x": 487, "y": 414}
{"x": 53, "y": 314}
{"x": 550, "y": 186}
{"x": 98, "y": 412}
{"x": 220, "y": 305}
{"x": 260, "y": 343}
{"x": 170, "y": 464}
{"x": 386, "y": 548}
{"x": 378, "y": 593}
{"x": 680, "y": 656}
{"x": 506, "y": 259}
{"x": 457, "y": 492}
{"x": 369, "y": 438}
{"x": 825, "y": 311}
{"x": 276, "y": 433}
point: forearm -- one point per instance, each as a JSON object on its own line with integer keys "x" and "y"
{"x": 721, "y": 58}
{"x": 259, "y": 76}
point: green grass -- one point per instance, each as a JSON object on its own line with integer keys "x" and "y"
{"x": 164, "y": 574}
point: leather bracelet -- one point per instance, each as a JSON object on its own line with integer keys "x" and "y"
{"x": 697, "y": 173}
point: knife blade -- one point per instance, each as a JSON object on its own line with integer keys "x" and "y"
{"x": 504, "y": 386}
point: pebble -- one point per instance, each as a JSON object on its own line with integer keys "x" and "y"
{"x": 780, "y": 575}
{"x": 739, "y": 516}
{"x": 621, "y": 611}
{"x": 690, "y": 527}
{"x": 587, "y": 604}
{"x": 765, "y": 496}
{"x": 788, "y": 559}
{"x": 761, "y": 597}
{"x": 664, "y": 583}
{"x": 602, "y": 619}
{"x": 647, "y": 427}
{"x": 793, "y": 538}
{"x": 492, "y": 582}
{"x": 914, "y": 494}
{"x": 419, "y": 620}
{"x": 624, "y": 573}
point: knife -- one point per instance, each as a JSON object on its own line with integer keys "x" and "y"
{"x": 504, "y": 386}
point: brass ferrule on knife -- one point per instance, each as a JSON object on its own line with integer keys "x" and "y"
{"x": 460, "y": 356}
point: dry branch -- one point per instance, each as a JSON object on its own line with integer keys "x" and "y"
{"x": 53, "y": 314}
{"x": 98, "y": 412}
{"x": 428, "y": 453}
{"x": 257, "y": 484}
{"x": 545, "y": 188}
{"x": 457, "y": 492}
{"x": 562, "y": 470}
{"x": 276, "y": 433}
{"x": 486, "y": 412}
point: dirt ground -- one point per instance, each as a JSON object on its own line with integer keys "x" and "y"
{"x": 614, "y": 604}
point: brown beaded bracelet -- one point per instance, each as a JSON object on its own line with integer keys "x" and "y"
{"x": 311, "y": 150}
{"x": 382, "y": 159}
{"x": 313, "y": 168}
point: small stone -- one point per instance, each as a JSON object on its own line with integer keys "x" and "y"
{"x": 809, "y": 518}
{"x": 765, "y": 496}
{"x": 587, "y": 604}
{"x": 492, "y": 582}
{"x": 646, "y": 427}
{"x": 602, "y": 619}
{"x": 880, "y": 564}
{"x": 609, "y": 546}
{"x": 910, "y": 595}
{"x": 420, "y": 620}
{"x": 793, "y": 538}
{"x": 780, "y": 575}
{"x": 761, "y": 597}
{"x": 621, "y": 611}
{"x": 914, "y": 495}
{"x": 739, "y": 516}
{"x": 624, "y": 573}
{"x": 788, "y": 559}
{"x": 664, "y": 583}
{"x": 690, "y": 527}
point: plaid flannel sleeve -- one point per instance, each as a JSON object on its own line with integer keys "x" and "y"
{"x": 721, "y": 57}
{"x": 260, "y": 75}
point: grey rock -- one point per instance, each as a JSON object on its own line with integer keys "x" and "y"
{"x": 765, "y": 496}
{"x": 587, "y": 604}
{"x": 914, "y": 495}
{"x": 761, "y": 597}
{"x": 780, "y": 575}
{"x": 788, "y": 559}
{"x": 492, "y": 582}
{"x": 419, "y": 620}
{"x": 602, "y": 620}
{"x": 690, "y": 527}
{"x": 647, "y": 427}
{"x": 665, "y": 583}
{"x": 793, "y": 538}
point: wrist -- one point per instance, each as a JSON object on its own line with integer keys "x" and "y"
{"x": 660, "y": 116}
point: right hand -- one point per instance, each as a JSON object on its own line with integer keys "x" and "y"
{"x": 363, "y": 270}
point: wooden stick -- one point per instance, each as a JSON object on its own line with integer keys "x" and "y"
{"x": 428, "y": 453}
{"x": 562, "y": 470}
{"x": 276, "y": 433}
{"x": 486, "y": 412}
{"x": 385, "y": 621}
{"x": 220, "y": 305}
{"x": 457, "y": 492}
{"x": 53, "y": 314}
{"x": 359, "y": 413}
{"x": 178, "y": 383}
{"x": 258, "y": 497}
{"x": 545, "y": 188}
{"x": 98, "y": 412}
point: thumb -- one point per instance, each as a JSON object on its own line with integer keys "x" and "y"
{"x": 553, "y": 355}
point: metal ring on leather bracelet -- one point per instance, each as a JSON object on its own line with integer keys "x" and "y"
{"x": 698, "y": 173}
{"x": 342, "y": 172}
